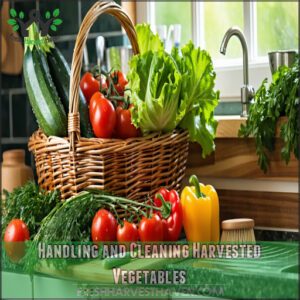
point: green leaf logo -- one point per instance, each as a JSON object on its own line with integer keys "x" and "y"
{"x": 47, "y": 15}
{"x": 53, "y": 27}
{"x": 13, "y": 12}
{"x": 11, "y": 22}
{"x": 56, "y": 13}
{"x": 21, "y": 15}
{"x": 57, "y": 21}
{"x": 16, "y": 27}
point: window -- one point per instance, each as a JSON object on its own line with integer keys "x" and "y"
{"x": 267, "y": 26}
{"x": 166, "y": 13}
{"x": 218, "y": 17}
{"x": 277, "y": 26}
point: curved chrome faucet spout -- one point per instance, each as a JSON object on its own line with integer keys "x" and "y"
{"x": 247, "y": 92}
{"x": 235, "y": 31}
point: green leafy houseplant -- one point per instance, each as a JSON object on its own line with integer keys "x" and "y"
{"x": 281, "y": 98}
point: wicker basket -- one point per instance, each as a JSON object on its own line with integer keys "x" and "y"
{"x": 134, "y": 167}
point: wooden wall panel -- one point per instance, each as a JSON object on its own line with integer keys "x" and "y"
{"x": 236, "y": 158}
{"x": 279, "y": 210}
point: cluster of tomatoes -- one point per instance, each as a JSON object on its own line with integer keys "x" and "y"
{"x": 109, "y": 110}
{"x": 164, "y": 224}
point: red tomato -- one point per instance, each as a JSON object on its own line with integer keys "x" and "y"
{"x": 124, "y": 128}
{"x": 102, "y": 116}
{"x": 89, "y": 86}
{"x": 119, "y": 81}
{"x": 151, "y": 230}
{"x": 104, "y": 227}
{"x": 16, "y": 231}
{"x": 127, "y": 233}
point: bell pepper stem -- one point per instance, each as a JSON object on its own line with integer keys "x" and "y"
{"x": 166, "y": 206}
{"x": 195, "y": 182}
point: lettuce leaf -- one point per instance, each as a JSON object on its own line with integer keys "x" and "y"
{"x": 147, "y": 40}
{"x": 198, "y": 99}
{"x": 174, "y": 90}
{"x": 155, "y": 85}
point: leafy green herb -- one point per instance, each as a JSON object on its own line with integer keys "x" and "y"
{"x": 29, "y": 204}
{"x": 71, "y": 222}
{"x": 281, "y": 98}
{"x": 174, "y": 90}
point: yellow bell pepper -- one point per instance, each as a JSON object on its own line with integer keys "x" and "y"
{"x": 200, "y": 206}
{"x": 210, "y": 191}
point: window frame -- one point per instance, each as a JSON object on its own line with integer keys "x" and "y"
{"x": 229, "y": 72}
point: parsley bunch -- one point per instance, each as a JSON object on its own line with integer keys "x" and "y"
{"x": 29, "y": 204}
{"x": 281, "y": 98}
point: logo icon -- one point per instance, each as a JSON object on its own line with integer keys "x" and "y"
{"x": 51, "y": 21}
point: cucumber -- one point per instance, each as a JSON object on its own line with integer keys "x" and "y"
{"x": 116, "y": 261}
{"x": 60, "y": 72}
{"x": 42, "y": 94}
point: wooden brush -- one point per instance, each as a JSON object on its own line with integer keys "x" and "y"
{"x": 238, "y": 230}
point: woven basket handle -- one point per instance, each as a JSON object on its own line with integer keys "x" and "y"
{"x": 99, "y": 8}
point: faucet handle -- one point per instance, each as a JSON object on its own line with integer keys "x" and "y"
{"x": 247, "y": 94}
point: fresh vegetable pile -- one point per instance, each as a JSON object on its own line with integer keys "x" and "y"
{"x": 163, "y": 92}
{"x": 108, "y": 107}
{"x": 281, "y": 98}
{"x": 98, "y": 217}
{"x": 89, "y": 216}
{"x": 95, "y": 215}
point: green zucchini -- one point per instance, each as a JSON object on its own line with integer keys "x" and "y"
{"x": 42, "y": 93}
{"x": 116, "y": 261}
{"x": 60, "y": 72}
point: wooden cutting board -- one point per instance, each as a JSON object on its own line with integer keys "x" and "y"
{"x": 13, "y": 60}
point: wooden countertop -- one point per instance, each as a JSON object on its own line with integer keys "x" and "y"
{"x": 228, "y": 126}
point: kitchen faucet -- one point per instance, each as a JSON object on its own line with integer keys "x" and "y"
{"x": 247, "y": 91}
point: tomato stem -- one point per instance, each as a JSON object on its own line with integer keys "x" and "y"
{"x": 126, "y": 204}
{"x": 111, "y": 84}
